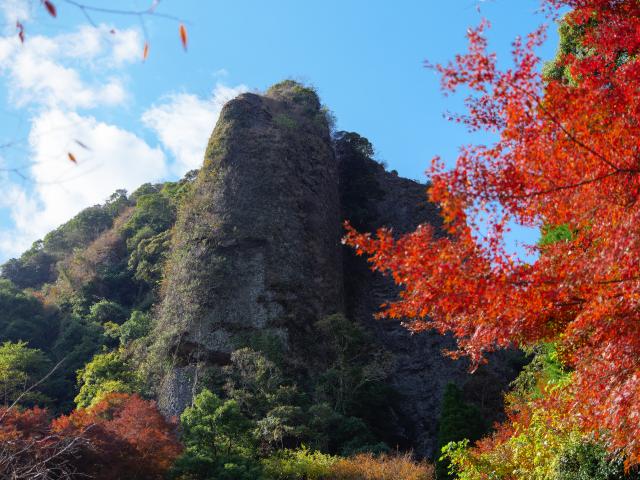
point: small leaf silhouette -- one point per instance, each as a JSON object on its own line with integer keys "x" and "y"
{"x": 183, "y": 36}
{"x": 20, "y": 28}
{"x": 72, "y": 157}
{"x": 51, "y": 8}
{"x": 145, "y": 52}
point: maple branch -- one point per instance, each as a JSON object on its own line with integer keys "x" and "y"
{"x": 575, "y": 139}
{"x": 69, "y": 445}
{"x": 565, "y": 187}
{"x": 617, "y": 280}
{"x": 570, "y": 135}
{"x": 115, "y": 11}
{"x": 140, "y": 14}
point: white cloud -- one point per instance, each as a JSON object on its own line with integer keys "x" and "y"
{"x": 79, "y": 69}
{"x": 23, "y": 207}
{"x": 183, "y": 123}
{"x": 15, "y": 11}
{"x": 116, "y": 159}
{"x": 41, "y": 81}
{"x": 103, "y": 45}
{"x": 45, "y": 71}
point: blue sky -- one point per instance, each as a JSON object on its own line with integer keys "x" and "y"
{"x": 72, "y": 82}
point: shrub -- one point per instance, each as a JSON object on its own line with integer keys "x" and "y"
{"x": 459, "y": 420}
{"x": 590, "y": 461}
{"x": 24, "y": 318}
{"x": 107, "y": 311}
{"x": 284, "y": 121}
{"x": 298, "y": 464}
{"x": 30, "y": 450}
{"x": 256, "y": 383}
{"x": 383, "y": 467}
{"x": 124, "y": 436}
{"x": 525, "y": 447}
{"x": 138, "y": 326}
{"x": 20, "y": 367}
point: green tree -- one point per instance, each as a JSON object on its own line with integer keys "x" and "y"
{"x": 147, "y": 259}
{"x": 33, "y": 269}
{"x": 218, "y": 441}
{"x": 571, "y": 43}
{"x": 79, "y": 231}
{"x": 106, "y": 373}
{"x": 354, "y": 363}
{"x": 256, "y": 383}
{"x": 37, "y": 266}
{"x": 138, "y": 326}
{"x": 20, "y": 367}
{"x": 333, "y": 432}
{"x": 75, "y": 343}
{"x": 107, "y": 311}
{"x": 258, "y": 386}
{"x": 153, "y": 211}
{"x": 24, "y": 318}
{"x": 280, "y": 424}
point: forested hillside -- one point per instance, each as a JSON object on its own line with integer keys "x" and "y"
{"x": 87, "y": 287}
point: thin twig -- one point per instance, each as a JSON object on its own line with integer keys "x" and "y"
{"x": 39, "y": 382}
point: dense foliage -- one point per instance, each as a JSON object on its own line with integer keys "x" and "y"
{"x": 89, "y": 285}
{"x": 538, "y": 441}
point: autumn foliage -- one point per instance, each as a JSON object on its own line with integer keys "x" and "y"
{"x": 567, "y": 155}
{"x": 124, "y": 436}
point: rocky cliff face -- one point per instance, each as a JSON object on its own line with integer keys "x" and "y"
{"x": 374, "y": 198}
{"x": 257, "y": 243}
{"x": 257, "y": 249}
